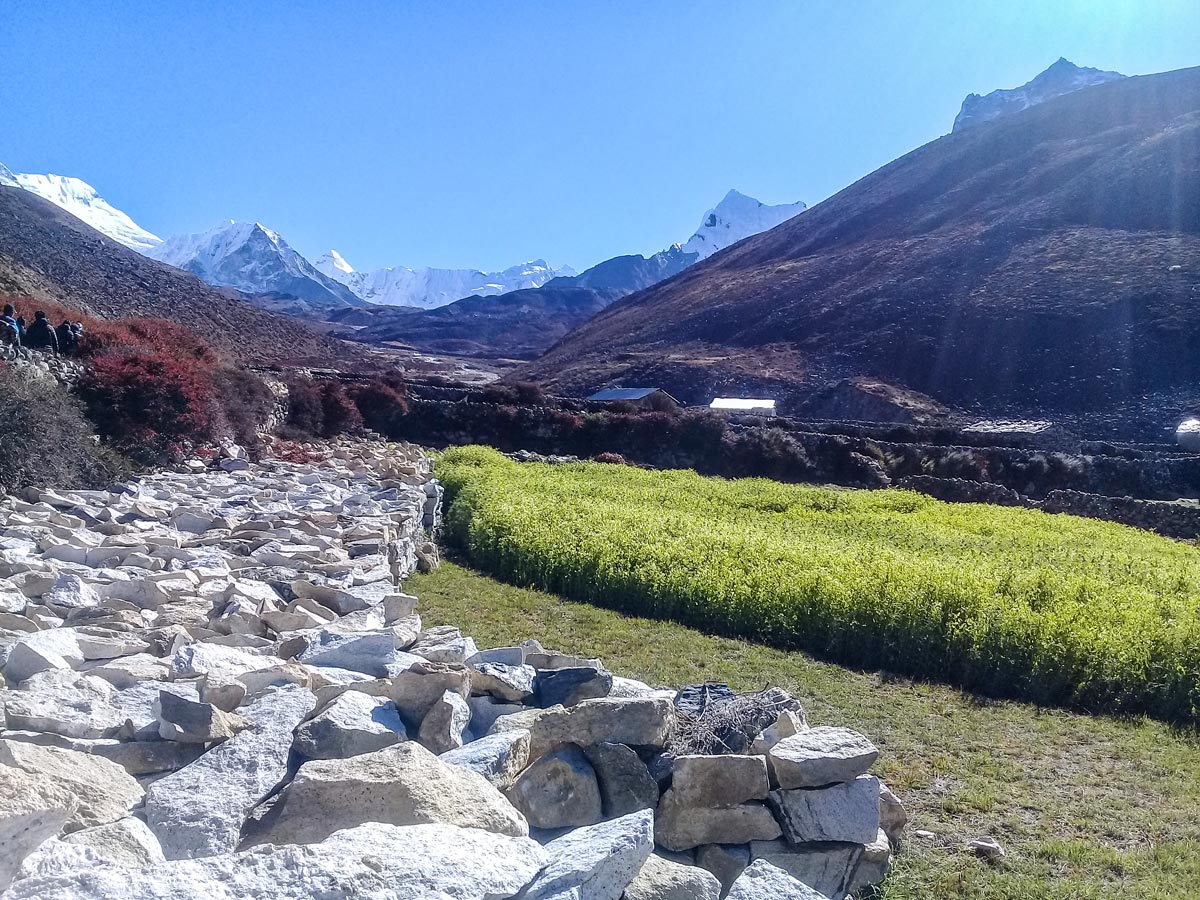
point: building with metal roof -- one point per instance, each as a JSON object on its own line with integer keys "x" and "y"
{"x": 637, "y": 395}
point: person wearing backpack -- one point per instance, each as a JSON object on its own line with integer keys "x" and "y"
{"x": 8, "y": 319}
{"x": 41, "y": 335}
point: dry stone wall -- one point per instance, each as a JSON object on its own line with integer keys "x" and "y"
{"x": 214, "y": 684}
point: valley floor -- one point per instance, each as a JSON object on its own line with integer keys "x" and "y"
{"x": 1088, "y": 808}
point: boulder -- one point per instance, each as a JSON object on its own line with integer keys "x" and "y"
{"x": 192, "y": 722}
{"x": 892, "y": 815}
{"x": 681, "y": 827}
{"x": 486, "y": 710}
{"x": 102, "y": 791}
{"x": 444, "y": 644}
{"x": 596, "y": 862}
{"x": 635, "y": 723}
{"x": 499, "y": 758}
{"x": 374, "y": 860}
{"x": 571, "y": 685}
{"x": 719, "y": 781}
{"x": 828, "y": 868}
{"x": 725, "y": 861}
{"x": 369, "y": 652}
{"x": 763, "y": 881}
{"x": 199, "y": 810}
{"x": 64, "y": 702}
{"x": 33, "y": 808}
{"x": 559, "y": 791}
{"x": 820, "y": 756}
{"x": 417, "y": 687}
{"x": 840, "y": 812}
{"x": 662, "y": 879}
{"x": 874, "y": 865}
{"x": 625, "y": 783}
{"x": 443, "y": 726}
{"x": 352, "y": 724}
{"x": 126, "y": 842}
{"x": 401, "y": 785}
{"x": 511, "y": 684}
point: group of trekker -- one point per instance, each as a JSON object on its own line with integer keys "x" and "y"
{"x": 39, "y": 334}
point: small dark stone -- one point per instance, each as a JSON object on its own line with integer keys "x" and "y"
{"x": 625, "y": 783}
{"x": 569, "y": 686}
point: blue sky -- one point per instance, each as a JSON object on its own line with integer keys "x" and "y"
{"x": 482, "y": 134}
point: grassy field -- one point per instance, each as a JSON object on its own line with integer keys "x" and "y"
{"x": 1008, "y": 602}
{"x": 1088, "y": 808}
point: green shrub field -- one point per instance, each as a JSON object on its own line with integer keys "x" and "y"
{"x": 1005, "y": 601}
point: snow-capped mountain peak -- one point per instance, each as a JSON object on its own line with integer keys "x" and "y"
{"x": 81, "y": 200}
{"x": 1062, "y": 77}
{"x": 334, "y": 265}
{"x": 734, "y": 218}
{"x": 428, "y": 287}
{"x": 252, "y": 258}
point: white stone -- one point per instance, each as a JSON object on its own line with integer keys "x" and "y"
{"x": 443, "y": 726}
{"x": 763, "y": 881}
{"x": 819, "y": 756}
{"x": 597, "y": 862}
{"x": 499, "y": 758}
{"x": 351, "y": 724}
{"x": 402, "y": 785}
{"x": 199, "y": 810}
{"x": 662, "y": 879}
{"x": 32, "y": 809}
{"x": 370, "y": 862}
{"x": 103, "y": 792}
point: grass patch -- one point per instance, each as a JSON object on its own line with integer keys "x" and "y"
{"x": 1088, "y": 808}
{"x": 1007, "y": 602}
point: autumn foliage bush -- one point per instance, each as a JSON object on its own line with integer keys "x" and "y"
{"x": 319, "y": 408}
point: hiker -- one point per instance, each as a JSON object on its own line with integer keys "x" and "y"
{"x": 68, "y": 340}
{"x": 41, "y": 335}
{"x": 8, "y": 318}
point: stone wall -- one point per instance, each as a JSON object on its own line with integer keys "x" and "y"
{"x": 200, "y": 663}
{"x": 1178, "y": 519}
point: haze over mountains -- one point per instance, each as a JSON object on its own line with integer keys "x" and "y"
{"x": 1046, "y": 260}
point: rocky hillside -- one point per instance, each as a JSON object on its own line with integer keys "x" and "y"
{"x": 1047, "y": 260}
{"x": 47, "y": 253}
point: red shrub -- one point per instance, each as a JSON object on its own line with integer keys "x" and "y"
{"x": 143, "y": 402}
{"x": 382, "y": 402}
{"x": 340, "y": 413}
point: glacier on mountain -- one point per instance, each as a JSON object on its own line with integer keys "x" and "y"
{"x": 251, "y": 258}
{"x": 81, "y": 200}
{"x": 737, "y": 217}
{"x": 1062, "y": 77}
{"x": 428, "y": 288}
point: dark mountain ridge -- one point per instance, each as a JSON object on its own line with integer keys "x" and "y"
{"x": 1046, "y": 260}
{"x": 47, "y": 253}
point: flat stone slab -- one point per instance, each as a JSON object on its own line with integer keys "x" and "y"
{"x": 720, "y": 780}
{"x": 840, "y": 812}
{"x": 820, "y": 756}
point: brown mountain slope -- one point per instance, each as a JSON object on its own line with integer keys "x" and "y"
{"x": 47, "y": 253}
{"x": 1049, "y": 260}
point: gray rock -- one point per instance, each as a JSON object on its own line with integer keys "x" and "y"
{"x": 720, "y": 781}
{"x": 102, "y": 791}
{"x": 444, "y": 644}
{"x": 636, "y": 723}
{"x": 625, "y": 783}
{"x": 353, "y": 723}
{"x": 32, "y": 808}
{"x": 841, "y": 812}
{"x": 820, "y": 756}
{"x": 499, "y": 758}
{"x": 199, "y": 810}
{"x": 401, "y": 785}
{"x": 725, "y": 861}
{"x": 420, "y": 685}
{"x": 486, "y": 710}
{"x": 596, "y": 862}
{"x": 825, "y": 867}
{"x": 443, "y": 726}
{"x": 662, "y": 879}
{"x": 559, "y": 791}
{"x": 892, "y": 815}
{"x": 64, "y": 702}
{"x": 368, "y": 652}
{"x": 874, "y": 865}
{"x": 126, "y": 842}
{"x": 763, "y": 881}
{"x": 681, "y": 827}
{"x": 788, "y": 723}
{"x": 571, "y": 685}
{"x": 512, "y": 684}
{"x": 192, "y": 722}
{"x": 372, "y": 862}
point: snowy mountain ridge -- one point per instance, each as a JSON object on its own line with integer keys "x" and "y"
{"x": 428, "y": 288}
{"x": 1062, "y": 77}
{"x": 252, "y": 258}
{"x": 81, "y": 200}
{"x": 737, "y": 217}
